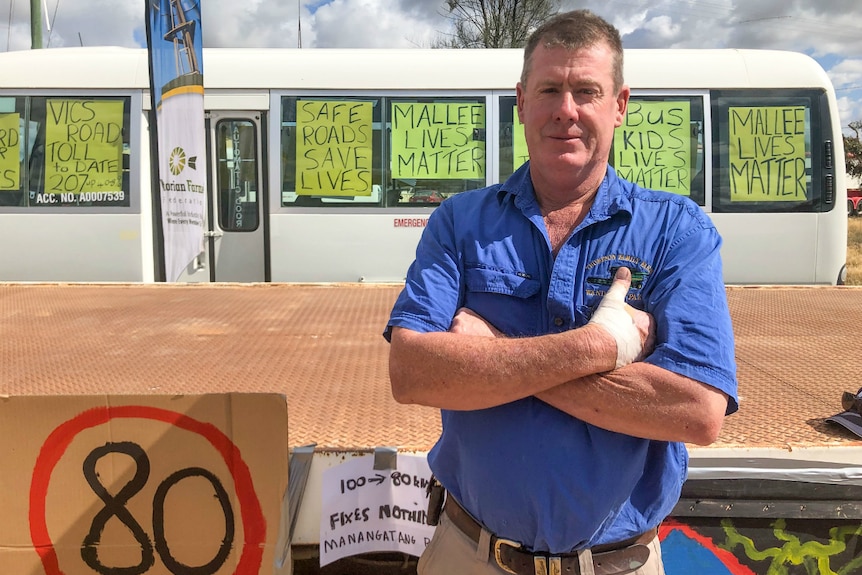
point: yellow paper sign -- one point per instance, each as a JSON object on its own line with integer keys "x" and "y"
{"x": 652, "y": 148}
{"x": 10, "y": 145}
{"x": 333, "y": 148}
{"x": 520, "y": 154}
{"x": 767, "y": 154}
{"x": 439, "y": 140}
{"x": 83, "y": 146}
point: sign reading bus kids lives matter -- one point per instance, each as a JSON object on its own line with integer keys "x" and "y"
{"x": 520, "y": 154}
{"x": 367, "y": 510}
{"x": 767, "y": 154}
{"x": 652, "y": 148}
{"x": 333, "y": 148}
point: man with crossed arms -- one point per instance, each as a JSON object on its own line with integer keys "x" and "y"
{"x": 565, "y": 409}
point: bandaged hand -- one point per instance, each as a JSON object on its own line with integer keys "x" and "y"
{"x": 615, "y": 316}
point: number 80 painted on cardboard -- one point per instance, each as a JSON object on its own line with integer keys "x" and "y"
{"x": 253, "y": 522}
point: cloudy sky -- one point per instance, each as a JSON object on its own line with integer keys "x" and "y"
{"x": 828, "y": 30}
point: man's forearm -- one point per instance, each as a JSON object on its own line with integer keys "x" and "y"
{"x": 462, "y": 372}
{"x": 646, "y": 401}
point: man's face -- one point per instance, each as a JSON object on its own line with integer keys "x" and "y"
{"x": 569, "y": 111}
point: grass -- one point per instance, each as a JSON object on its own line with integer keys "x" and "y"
{"x": 854, "y": 251}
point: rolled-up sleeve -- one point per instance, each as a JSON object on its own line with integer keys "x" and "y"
{"x": 688, "y": 298}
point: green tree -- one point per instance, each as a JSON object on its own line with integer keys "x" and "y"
{"x": 494, "y": 23}
{"x": 853, "y": 150}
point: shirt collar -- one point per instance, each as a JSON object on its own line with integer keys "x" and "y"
{"x": 613, "y": 195}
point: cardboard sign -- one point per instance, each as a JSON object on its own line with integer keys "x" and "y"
{"x": 143, "y": 484}
{"x": 367, "y": 509}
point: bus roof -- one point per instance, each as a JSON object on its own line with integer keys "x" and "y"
{"x": 399, "y": 69}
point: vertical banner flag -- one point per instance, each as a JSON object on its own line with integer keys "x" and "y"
{"x": 177, "y": 86}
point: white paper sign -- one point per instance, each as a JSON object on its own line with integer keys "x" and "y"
{"x": 366, "y": 509}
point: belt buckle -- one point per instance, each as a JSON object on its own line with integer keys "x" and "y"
{"x": 497, "y": 545}
{"x": 542, "y": 565}
{"x": 550, "y": 565}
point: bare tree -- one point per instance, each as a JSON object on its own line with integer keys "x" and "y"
{"x": 494, "y": 23}
{"x": 853, "y": 150}
{"x": 853, "y": 156}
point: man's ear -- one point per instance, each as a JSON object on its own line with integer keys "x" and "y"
{"x": 622, "y": 105}
{"x": 519, "y": 98}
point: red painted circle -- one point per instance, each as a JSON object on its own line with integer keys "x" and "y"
{"x": 253, "y": 522}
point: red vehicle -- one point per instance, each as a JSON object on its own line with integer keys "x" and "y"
{"x": 854, "y": 202}
{"x": 426, "y": 197}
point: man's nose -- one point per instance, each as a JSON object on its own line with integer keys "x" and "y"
{"x": 568, "y": 108}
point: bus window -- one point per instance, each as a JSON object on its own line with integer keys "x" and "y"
{"x": 438, "y": 147}
{"x": 78, "y": 155}
{"x": 513, "y": 146}
{"x": 13, "y": 143}
{"x": 766, "y": 160}
{"x": 372, "y": 152}
{"x": 236, "y": 175}
{"x": 659, "y": 146}
{"x": 331, "y": 151}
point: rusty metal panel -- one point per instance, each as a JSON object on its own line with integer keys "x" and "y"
{"x": 321, "y": 346}
{"x": 796, "y": 350}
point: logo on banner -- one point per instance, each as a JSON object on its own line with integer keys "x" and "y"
{"x": 177, "y": 161}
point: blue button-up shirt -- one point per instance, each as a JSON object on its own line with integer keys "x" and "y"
{"x": 528, "y": 471}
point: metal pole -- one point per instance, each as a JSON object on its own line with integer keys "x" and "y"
{"x": 35, "y": 24}
{"x": 299, "y": 23}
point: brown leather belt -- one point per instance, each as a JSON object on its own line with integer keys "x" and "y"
{"x": 610, "y": 559}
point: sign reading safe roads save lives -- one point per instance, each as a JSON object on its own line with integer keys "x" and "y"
{"x": 142, "y": 484}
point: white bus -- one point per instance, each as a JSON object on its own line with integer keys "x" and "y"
{"x": 323, "y": 165}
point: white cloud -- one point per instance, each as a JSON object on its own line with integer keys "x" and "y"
{"x": 846, "y": 77}
{"x": 663, "y": 26}
{"x": 91, "y": 23}
{"x": 846, "y": 73}
{"x": 371, "y": 24}
{"x": 848, "y": 111}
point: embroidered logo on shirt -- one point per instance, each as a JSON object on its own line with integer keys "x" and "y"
{"x": 599, "y": 280}
{"x": 638, "y": 278}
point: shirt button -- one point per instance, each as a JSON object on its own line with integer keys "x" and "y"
{"x": 558, "y": 321}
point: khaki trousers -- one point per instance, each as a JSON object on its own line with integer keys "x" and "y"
{"x": 451, "y": 552}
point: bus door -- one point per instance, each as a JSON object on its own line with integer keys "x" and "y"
{"x": 236, "y": 234}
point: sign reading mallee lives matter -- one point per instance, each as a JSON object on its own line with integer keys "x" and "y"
{"x": 367, "y": 509}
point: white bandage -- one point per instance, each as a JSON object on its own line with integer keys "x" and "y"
{"x": 612, "y": 315}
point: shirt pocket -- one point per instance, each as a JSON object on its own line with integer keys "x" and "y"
{"x": 509, "y": 299}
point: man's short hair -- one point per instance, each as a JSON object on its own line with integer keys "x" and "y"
{"x": 575, "y": 30}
